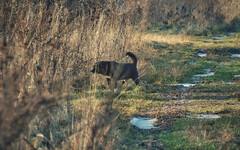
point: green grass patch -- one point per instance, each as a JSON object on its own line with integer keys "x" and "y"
{"x": 203, "y": 134}
{"x": 177, "y": 63}
{"x": 218, "y": 87}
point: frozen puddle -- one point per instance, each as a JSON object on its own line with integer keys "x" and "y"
{"x": 186, "y": 85}
{"x": 202, "y": 54}
{"x": 197, "y": 78}
{"x": 219, "y": 37}
{"x": 208, "y": 72}
{"x": 223, "y": 37}
{"x": 235, "y": 55}
{"x": 143, "y": 122}
{"x": 204, "y": 116}
{"x": 231, "y": 33}
{"x": 230, "y": 83}
{"x": 237, "y": 76}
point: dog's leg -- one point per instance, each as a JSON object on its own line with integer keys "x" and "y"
{"x": 136, "y": 80}
{"x": 109, "y": 81}
{"x": 113, "y": 85}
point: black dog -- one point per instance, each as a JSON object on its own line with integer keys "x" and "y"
{"x": 117, "y": 71}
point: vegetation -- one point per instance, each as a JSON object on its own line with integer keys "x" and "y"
{"x": 50, "y": 100}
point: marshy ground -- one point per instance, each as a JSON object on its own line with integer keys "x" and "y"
{"x": 212, "y": 88}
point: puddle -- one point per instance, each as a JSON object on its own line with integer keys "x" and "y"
{"x": 186, "y": 85}
{"x": 145, "y": 123}
{"x": 237, "y": 76}
{"x": 229, "y": 83}
{"x": 208, "y": 72}
{"x": 202, "y": 54}
{"x": 197, "y": 78}
{"x": 223, "y": 37}
{"x": 219, "y": 37}
{"x": 231, "y": 33}
{"x": 235, "y": 55}
{"x": 204, "y": 116}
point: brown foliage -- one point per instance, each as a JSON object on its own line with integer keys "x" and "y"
{"x": 17, "y": 110}
{"x": 52, "y": 44}
{"x": 194, "y": 15}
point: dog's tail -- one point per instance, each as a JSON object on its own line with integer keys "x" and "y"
{"x": 133, "y": 57}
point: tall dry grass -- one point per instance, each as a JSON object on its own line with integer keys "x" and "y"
{"x": 47, "y": 51}
{"x": 193, "y": 16}
{"x": 17, "y": 109}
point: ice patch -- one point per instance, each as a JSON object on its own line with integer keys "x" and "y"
{"x": 235, "y": 55}
{"x": 231, "y": 33}
{"x": 208, "y": 72}
{"x": 204, "y": 116}
{"x": 202, "y": 54}
{"x": 219, "y": 37}
{"x": 230, "y": 83}
{"x": 237, "y": 76}
{"x": 143, "y": 122}
{"x": 186, "y": 85}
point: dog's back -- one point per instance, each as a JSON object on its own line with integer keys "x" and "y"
{"x": 127, "y": 71}
{"x": 105, "y": 68}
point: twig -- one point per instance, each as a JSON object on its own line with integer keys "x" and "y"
{"x": 30, "y": 144}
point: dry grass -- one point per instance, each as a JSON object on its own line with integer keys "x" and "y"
{"x": 166, "y": 38}
{"x": 223, "y": 136}
{"x": 193, "y": 16}
{"x": 47, "y": 50}
{"x": 17, "y": 109}
{"x": 50, "y": 50}
{"x": 97, "y": 121}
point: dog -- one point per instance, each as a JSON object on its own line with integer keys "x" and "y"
{"x": 117, "y": 71}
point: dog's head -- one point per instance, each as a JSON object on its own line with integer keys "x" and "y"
{"x": 95, "y": 66}
{"x": 98, "y": 67}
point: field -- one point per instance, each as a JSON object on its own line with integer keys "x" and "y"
{"x": 162, "y": 97}
{"x": 189, "y": 66}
